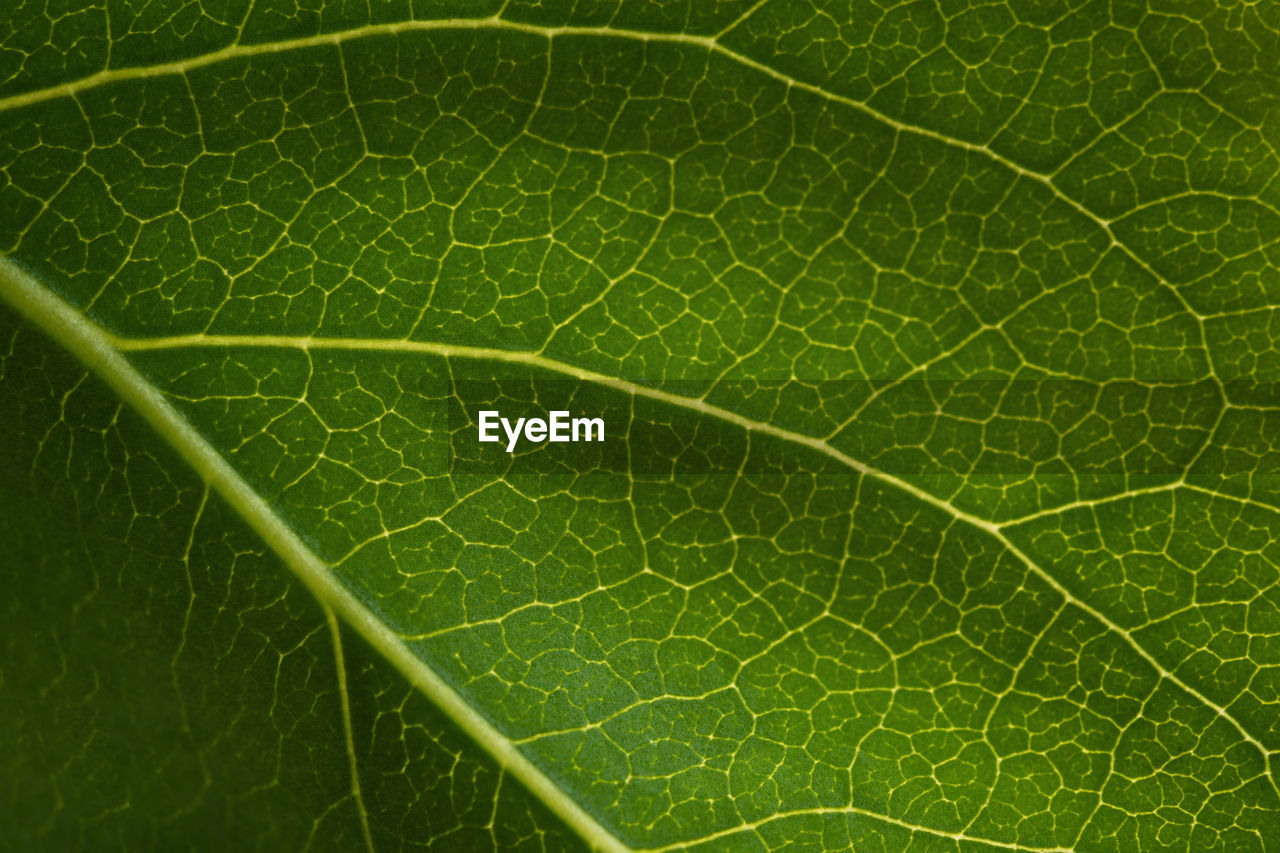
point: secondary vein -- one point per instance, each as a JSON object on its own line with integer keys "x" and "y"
{"x": 702, "y": 407}
{"x": 98, "y": 351}
{"x": 340, "y": 663}
{"x": 709, "y": 43}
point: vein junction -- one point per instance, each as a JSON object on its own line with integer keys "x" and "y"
{"x": 1035, "y": 659}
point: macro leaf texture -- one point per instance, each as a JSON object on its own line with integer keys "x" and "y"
{"x": 939, "y": 342}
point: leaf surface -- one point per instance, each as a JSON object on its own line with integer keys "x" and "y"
{"x": 941, "y": 352}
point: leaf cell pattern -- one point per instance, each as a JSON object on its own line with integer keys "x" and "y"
{"x": 965, "y": 316}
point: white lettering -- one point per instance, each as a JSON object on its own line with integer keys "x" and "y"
{"x": 513, "y": 435}
{"x": 559, "y": 426}
{"x": 587, "y": 424}
{"x": 488, "y": 422}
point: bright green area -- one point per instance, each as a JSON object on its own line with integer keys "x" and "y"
{"x": 1019, "y": 258}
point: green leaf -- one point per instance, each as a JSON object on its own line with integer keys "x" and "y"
{"x": 938, "y": 508}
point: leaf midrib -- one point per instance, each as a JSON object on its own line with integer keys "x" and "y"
{"x": 99, "y": 353}
{"x": 102, "y": 352}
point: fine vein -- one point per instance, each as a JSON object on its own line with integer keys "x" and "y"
{"x": 98, "y": 352}
{"x": 694, "y": 404}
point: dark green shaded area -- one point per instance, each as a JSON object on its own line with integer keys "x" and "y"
{"x": 1022, "y": 258}
{"x": 165, "y": 684}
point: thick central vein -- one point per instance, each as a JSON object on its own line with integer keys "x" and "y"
{"x": 104, "y": 354}
{"x": 701, "y": 407}
{"x": 98, "y": 351}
